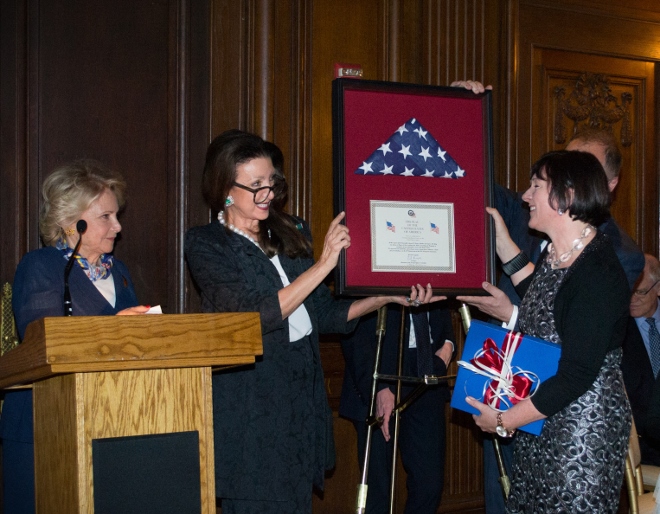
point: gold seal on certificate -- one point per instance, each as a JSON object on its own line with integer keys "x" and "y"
{"x": 412, "y": 237}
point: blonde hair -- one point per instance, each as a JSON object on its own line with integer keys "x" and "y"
{"x": 70, "y": 190}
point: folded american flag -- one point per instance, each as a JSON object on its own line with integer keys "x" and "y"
{"x": 411, "y": 152}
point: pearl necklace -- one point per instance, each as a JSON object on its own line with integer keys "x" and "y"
{"x": 555, "y": 261}
{"x": 236, "y": 230}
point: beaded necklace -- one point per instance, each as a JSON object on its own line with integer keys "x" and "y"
{"x": 236, "y": 230}
{"x": 555, "y": 261}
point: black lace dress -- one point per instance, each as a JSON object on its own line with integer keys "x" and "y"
{"x": 577, "y": 463}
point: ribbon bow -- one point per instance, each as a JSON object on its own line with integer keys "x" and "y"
{"x": 508, "y": 384}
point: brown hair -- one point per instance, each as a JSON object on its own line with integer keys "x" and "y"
{"x": 279, "y": 233}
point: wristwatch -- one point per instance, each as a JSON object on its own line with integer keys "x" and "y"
{"x": 501, "y": 431}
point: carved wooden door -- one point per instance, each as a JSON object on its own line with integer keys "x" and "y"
{"x": 577, "y": 90}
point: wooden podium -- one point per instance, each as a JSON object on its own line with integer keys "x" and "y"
{"x": 97, "y": 377}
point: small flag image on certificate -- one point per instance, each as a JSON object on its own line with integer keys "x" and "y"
{"x": 412, "y": 237}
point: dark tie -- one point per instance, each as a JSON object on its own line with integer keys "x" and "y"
{"x": 422, "y": 337}
{"x": 654, "y": 346}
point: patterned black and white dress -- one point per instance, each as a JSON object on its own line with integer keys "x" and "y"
{"x": 577, "y": 463}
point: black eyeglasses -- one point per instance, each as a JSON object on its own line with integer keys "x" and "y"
{"x": 644, "y": 292}
{"x": 260, "y": 194}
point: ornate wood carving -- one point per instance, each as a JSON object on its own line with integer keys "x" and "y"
{"x": 591, "y": 103}
{"x": 560, "y": 42}
{"x": 609, "y": 93}
{"x": 271, "y": 70}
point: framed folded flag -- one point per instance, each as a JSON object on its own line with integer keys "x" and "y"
{"x": 413, "y": 172}
{"x": 500, "y": 368}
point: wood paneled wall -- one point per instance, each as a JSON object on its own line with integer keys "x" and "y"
{"x": 275, "y": 78}
{"x": 146, "y": 85}
{"x": 620, "y": 41}
{"x": 122, "y": 82}
{"x": 429, "y": 42}
{"x": 275, "y": 74}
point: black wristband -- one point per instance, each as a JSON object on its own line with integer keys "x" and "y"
{"x": 515, "y": 264}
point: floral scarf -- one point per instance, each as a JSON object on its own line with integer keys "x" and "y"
{"x": 93, "y": 271}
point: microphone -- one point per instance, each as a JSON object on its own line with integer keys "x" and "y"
{"x": 81, "y": 227}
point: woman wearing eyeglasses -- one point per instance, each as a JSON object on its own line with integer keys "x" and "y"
{"x": 272, "y": 422}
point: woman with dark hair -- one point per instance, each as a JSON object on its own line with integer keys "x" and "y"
{"x": 277, "y": 159}
{"x": 100, "y": 285}
{"x": 577, "y": 297}
{"x": 273, "y": 426}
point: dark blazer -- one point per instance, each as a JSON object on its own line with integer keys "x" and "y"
{"x": 38, "y": 291}
{"x": 628, "y": 253}
{"x": 651, "y": 428}
{"x": 639, "y": 380}
{"x": 515, "y": 214}
{"x": 359, "y": 349}
{"x": 255, "y": 450}
{"x": 591, "y": 312}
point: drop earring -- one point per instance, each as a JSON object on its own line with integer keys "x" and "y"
{"x": 229, "y": 201}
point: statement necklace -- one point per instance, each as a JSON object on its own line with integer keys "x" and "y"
{"x": 236, "y": 230}
{"x": 555, "y": 261}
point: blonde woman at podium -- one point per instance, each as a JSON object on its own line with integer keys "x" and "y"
{"x": 78, "y": 221}
{"x": 272, "y": 421}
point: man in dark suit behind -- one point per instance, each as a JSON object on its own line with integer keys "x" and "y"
{"x": 639, "y": 366}
{"x": 422, "y": 429}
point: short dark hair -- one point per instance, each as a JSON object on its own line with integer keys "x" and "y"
{"x": 607, "y": 140}
{"x": 578, "y": 184}
{"x": 278, "y": 233}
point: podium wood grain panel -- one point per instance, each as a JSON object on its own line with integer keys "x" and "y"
{"x": 57, "y": 486}
{"x": 107, "y": 343}
{"x": 120, "y": 376}
{"x": 138, "y": 402}
{"x": 87, "y": 406}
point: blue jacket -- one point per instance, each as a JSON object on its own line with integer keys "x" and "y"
{"x": 38, "y": 291}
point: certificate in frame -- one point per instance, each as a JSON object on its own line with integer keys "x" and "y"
{"x": 413, "y": 172}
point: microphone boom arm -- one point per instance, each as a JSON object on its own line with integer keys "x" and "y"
{"x": 81, "y": 227}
